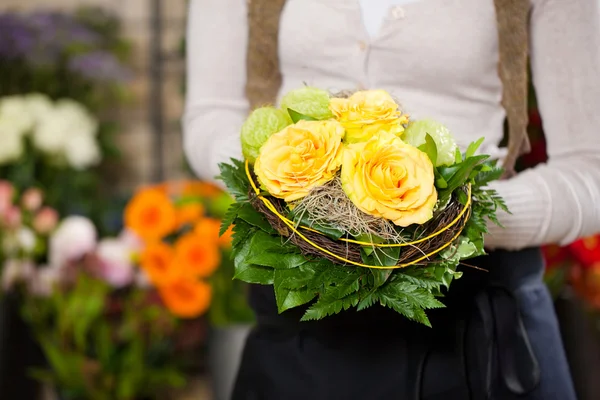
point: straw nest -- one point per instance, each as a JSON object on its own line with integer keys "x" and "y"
{"x": 410, "y": 254}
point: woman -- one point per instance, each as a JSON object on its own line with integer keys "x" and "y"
{"x": 498, "y": 338}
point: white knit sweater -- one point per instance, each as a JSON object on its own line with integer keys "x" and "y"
{"x": 439, "y": 57}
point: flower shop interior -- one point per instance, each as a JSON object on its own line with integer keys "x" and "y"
{"x": 96, "y": 201}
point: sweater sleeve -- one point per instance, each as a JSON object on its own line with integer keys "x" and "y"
{"x": 216, "y": 105}
{"x": 559, "y": 202}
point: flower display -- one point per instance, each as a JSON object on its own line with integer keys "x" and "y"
{"x": 180, "y": 248}
{"x": 347, "y": 194}
{"x": 135, "y": 295}
{"x": 64, "y": 130}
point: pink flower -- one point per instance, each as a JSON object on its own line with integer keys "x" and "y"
{"x": 32, "y": 199}
{"x": 16, "y": 271}
{"x": 6, "y": 196}
{"x": 45, "y": 221}
{"x": 12, "y": 217}
{"x": 44, "y": 280}
{"x": 116, "y": 266}
{"x": 74, "y": 238}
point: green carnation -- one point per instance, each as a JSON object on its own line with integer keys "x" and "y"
{"x": 260, "y": 125}
{"x": 308, "y": 101}
{"x": 417, "y": 131}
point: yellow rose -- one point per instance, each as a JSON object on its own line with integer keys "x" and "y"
{"x": 367, "y": 113}
{"x": 300, "y": 157}
{"x": 388, "y": 178}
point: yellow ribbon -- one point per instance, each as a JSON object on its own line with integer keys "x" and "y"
{"x": 292, "y": 226}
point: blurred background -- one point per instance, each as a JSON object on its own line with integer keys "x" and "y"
{"x": 98, "y": 208}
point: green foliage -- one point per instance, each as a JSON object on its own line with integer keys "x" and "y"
{"x": 262, "y": 256}
{"x": 104, "y": 345}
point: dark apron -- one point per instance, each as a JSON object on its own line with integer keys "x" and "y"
{"x": 497, "y": 339}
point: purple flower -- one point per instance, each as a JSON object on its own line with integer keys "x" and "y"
{"x": 41, "y": 37}
{"x": 99, "y": 65}
{"x": 17, "y": 38}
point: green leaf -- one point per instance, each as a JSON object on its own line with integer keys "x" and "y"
{"x": 325, "y": 307}
{"x": 368, "y": 301}
{"x": 296, "y": 116}
{"x": 473, "y": 147}
{"x": 276, "y": 260}
{"x": 485, "y": 177}
{"x": 422, "y": 277}
{"x": 296, "y": 278}
{"x": 429, "y": 148}
{"x": 247, "y": 213}
{"x": 234, "y": 177}
{"x": 457, "y": 156}
{"x": 380, "y": 276}
{"x": 304, "y": 220}
{"x": 289, "y": 298}
{"x": 409, "y": 300}
{"x": 381, "y": 256}
{"x": 229, "y": 217}
{"x": 342, "y": 288}
{"x": 247, "y": 272}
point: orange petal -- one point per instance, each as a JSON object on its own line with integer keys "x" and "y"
{"x": 186, "y": 298}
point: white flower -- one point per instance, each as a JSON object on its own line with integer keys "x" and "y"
{"x": 26, "y": 239}
{"x": 82, "y": 152}
{"x": 38, "y": 105}
{"x": 15, "y": 110}
{"x": 67, "y": 121}
{"x": 74, "y": 238}
{"x": 15, "y": 271}
{"x": 116, "y": 262}
{"x": 11, "y": 142}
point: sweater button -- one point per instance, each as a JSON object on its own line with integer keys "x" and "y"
{"x": 362, "y": 45}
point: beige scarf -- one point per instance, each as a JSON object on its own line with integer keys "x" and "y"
{"x": 264, "y": 77}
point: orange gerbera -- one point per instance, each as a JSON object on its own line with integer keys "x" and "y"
{"x": 157, "y": 261}
{"x": 197, "y": 256}
{"x": 150, "y": 214}
{"x": 186, "y": 298}
{"x": 189, "y": 213}
{"x": 209, "y": 228}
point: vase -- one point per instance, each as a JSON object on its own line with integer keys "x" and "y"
{"x": 225, "y": 347}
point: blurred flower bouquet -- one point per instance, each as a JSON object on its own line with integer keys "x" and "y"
{"x": 108, "y": 329}
{"x": 49, "y": 56}
{"x": 343, "y": 202}
{"x": 77, "y": 56}
{"x": 181, "y": 251}
{"x": 41, "y": 135}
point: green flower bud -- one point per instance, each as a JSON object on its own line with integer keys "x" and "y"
{"x": 446, "y": 145}
{"x": 260, "y": 125}
{"x": 309, "y": 101}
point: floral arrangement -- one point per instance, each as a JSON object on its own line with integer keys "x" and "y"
{"x": 344, "y": 202}
{"x": 181, "y": 251}
{"x": 61, "y": 133}
{"x": 81, "y": 57}
{"x": 115, "y": 317}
